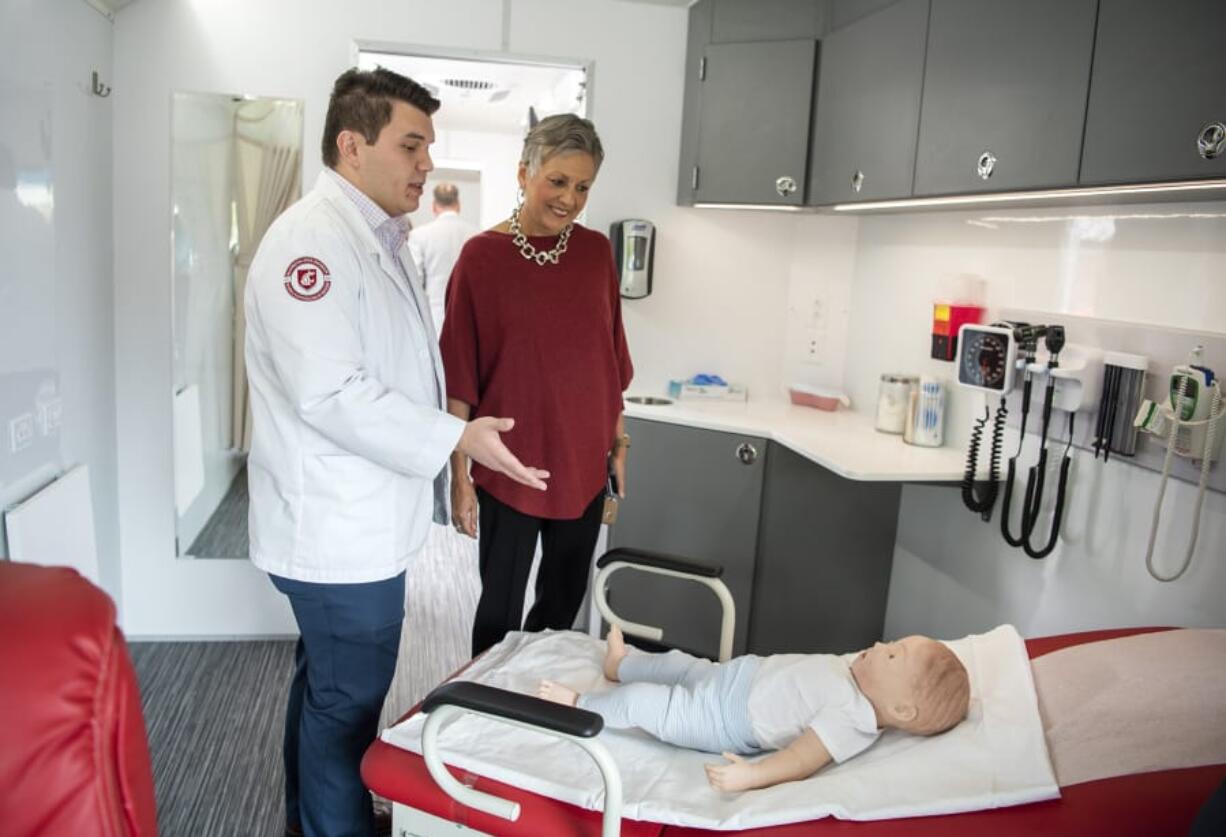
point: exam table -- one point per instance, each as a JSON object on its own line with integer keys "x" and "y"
{"x": 1143, "y": 803}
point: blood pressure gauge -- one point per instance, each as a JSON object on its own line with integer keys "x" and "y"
{"x": 987, "y": 357}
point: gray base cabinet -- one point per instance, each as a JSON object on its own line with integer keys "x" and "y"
{"x": 824, "y": 557}
{"x": 1005, "y": 86}
{"x": 806, "y": 553}
{"x": 689, "y": 494}
{"x": 1156, "y": 94}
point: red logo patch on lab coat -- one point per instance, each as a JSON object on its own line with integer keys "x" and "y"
{"x": 307, "y": 279}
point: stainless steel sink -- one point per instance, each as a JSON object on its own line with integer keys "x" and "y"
{"x": 649, "y": 400}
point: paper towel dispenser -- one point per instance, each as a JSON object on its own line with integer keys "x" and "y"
{"x": 634, "y": 250}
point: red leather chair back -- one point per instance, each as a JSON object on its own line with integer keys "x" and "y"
{"x": 74, "y": 759}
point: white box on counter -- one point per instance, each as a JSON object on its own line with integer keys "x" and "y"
{"x": 714, "y": 392}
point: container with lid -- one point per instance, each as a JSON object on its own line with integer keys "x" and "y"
{"x": 893, "y": 395}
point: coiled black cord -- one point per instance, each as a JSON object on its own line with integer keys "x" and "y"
{"x": 1058, "y": 512}
{"x": 981, "y": 497}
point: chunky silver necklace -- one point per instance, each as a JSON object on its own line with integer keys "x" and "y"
{"x": 531, "y": 253}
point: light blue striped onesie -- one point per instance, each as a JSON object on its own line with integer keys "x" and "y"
{"x": 682, "y": 700}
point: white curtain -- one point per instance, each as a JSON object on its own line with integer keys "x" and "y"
{"x": 267, "y": 171}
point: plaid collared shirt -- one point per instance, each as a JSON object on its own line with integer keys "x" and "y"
{"x": 391, "y": 232}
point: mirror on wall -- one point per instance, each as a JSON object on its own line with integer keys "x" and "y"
{"x": 236, "y": 164}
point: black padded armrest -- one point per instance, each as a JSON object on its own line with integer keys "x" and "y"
{"x": 516, "y": 707}
{"x": 660, "y": 561}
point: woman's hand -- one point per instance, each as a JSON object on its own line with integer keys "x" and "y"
{"x": 617, "y": 461}
{"x": 464, "y": 505}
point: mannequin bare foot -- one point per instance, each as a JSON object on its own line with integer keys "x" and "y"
{"x": 557, "y": 693}
{"x": 615, "y": 651}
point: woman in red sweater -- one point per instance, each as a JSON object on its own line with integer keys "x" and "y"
{"x": 533, "y": 330}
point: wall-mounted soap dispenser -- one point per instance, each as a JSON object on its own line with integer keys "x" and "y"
{"x": 634, "y": 251}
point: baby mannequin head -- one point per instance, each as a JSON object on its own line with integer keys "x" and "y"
{"x": 915, "y": 684}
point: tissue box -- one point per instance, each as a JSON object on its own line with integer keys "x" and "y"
{"x": 730, "y": 392}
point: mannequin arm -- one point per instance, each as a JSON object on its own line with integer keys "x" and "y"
{"x": 799, "y": 760}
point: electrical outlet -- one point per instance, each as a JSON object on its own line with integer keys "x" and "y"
{"x": 50, "y": 415}
{"x": 812, "y": 346}
{"x": 21, "y": 432}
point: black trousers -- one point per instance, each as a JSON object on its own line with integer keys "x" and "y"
{"x": 507, "y": 546}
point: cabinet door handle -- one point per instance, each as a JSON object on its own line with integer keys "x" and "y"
{"x": 857, "y": 181}
{"x": 785, "y": 186}
{"x": 986, "y": 165}
{"x": 1212, "y": 140}
{"x": 747, "y": 453}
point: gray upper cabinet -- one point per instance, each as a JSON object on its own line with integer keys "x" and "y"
{"x": 1005, "y": 89}
{"x": 1157, "y": 110}
{"x": 767, "y": 20}
{"x": 696, "y": 494}
{"x": 697, "y": 37}
{"x": 754, "y": 113}
{"x": 868, "y": 106}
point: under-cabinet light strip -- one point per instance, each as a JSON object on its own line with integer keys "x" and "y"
{"x": 1022, "y": 197}
{"x": 987, "y": 199}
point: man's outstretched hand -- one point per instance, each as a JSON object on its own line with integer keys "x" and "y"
{"x": 482, "y": 442}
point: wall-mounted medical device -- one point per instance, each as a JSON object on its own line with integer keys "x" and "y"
{"x": 1190, "y": 421}
{"x": 634, "y": 251}
{"x": 1145, "y": 371}
{"x": 992, "y": 359}
{"x": 987, "y": 357}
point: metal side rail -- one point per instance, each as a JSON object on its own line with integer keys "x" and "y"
{"x": 452, "y": 700}
{"x": 669, "y": 565}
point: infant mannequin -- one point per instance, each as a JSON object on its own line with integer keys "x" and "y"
{"x": 809, "y": 709}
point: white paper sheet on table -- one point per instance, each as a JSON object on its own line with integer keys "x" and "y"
{"x": 997, "y": 757}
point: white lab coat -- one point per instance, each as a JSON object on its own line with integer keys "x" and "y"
{"x": 347, "y": 399}
{"x": 435, "y": 247}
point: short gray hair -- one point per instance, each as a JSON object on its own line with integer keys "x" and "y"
{"x": 559, "y": 134}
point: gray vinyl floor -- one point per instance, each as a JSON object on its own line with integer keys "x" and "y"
{"x": 225, "y": 533}
{"x": 215, "y": 711}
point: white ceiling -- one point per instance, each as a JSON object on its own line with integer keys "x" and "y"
{"x": 480, "y": 95}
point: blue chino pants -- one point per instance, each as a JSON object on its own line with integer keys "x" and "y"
{"x": 345, "y": 659}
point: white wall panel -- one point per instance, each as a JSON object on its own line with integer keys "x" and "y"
{"x": 56, "y": 323}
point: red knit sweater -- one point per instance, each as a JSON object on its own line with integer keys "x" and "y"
{"x": 542, "y": 344}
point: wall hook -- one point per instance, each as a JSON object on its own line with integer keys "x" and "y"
{"x": 100, "y": 89}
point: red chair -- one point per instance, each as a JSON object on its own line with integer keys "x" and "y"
{"x": 74, "y": 759}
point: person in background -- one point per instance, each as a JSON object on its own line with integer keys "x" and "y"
{"x": 807, "y": 709}
{"x": 349, "y": 452}
{"x": 436, "y": 246}
{"x": 534, "y": 328}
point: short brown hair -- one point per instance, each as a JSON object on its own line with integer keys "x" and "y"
{"x": 942, "y": 692}
{"x": 446, "y": 194}
{"x": 362, "y": 101}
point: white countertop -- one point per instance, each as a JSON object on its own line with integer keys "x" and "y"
{"x": 844, "y": 441}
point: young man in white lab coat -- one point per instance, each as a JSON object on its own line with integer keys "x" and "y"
{"x": 351, "y": 437}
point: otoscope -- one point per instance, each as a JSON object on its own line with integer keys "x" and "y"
{"x": 1037, "y": 474}
{"x": 1028, "y": 342}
